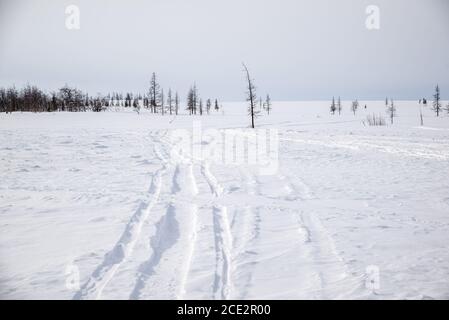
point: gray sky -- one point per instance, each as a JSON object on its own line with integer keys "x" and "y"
{"x": 295, "y": 49}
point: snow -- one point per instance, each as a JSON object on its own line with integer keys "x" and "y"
{"x": 108, "y": 197}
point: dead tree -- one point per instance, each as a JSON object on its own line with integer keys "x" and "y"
{"x": 162, "y": 101}
{"x": 339, "y": 106}
{"x": 437, "y": 101}
{"x": 333, "y": 106}
{"x": 154, "y": 93}
{"x": 354, "y": 106}
{"x": 391, "y": 110}
{"x": 176, "y": 103}
{"x": 250, "y": 96}
{"x": 268, "y": 104}
{"x": 216, "y": 105}
{"x": 170, "y": 101}
{"x": 208, "y": 106}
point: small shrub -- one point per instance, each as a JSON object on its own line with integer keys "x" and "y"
{"x": 374, "y": 120}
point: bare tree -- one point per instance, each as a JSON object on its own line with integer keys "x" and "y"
{"x": 208, "y": 106}
{"x": 339, "y": 106}
{"x": 170, "y": 101}
{"x": 128, "y": 99}
{"x": 250, "y": 95}
{"x": 333, "y": 106}
{"x": 391, "y": 110}
{"x": 216, "y": 105}
{"x": 71, "y": 98}
{"x": 195, "y": 98}
{"x": 437, "y": 101}
{"x": 154, "y": 93}
{"x": 176, "y": 103}
{"x": 3, "y": 100}
{"x": 190, "y": 101}
{"x": 162, "y": 101}
{"x": 201, "y": 107}
{"x": 268, "y": 104}
{"x": 354, "y": 106}
{"x": 136, "y": 105}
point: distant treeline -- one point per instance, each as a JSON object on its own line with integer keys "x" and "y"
{"x": 32, "y": 99}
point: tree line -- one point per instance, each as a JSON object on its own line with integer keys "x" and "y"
{"x": 437, "y": 106}
{"x": 32, "y": 99}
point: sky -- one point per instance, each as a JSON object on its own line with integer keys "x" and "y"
{"x": 294, "y": 49}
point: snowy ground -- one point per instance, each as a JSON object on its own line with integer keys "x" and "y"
{"x": 104, "y": 196}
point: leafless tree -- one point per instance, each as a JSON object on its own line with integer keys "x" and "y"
{"x": 268, "y": 104}
{"x": 162, "y": 101}
{"x": 339, "y": 106}
{"x": 216, "y": 105}
{"x": 333, "y": 106}
{"x": 354, "y": 106}
{"x": 251, "y": 97}
{"x": 176, "y": 103}
{"x": 208, "y": 106}
{"x": 170, "y": 101}
{"x": 154, "y": 93}
{"x": 437, "y": 101}
{"x": 391, "y": 110}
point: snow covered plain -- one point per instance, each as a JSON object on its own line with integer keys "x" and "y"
{"x": 103, "y": 197}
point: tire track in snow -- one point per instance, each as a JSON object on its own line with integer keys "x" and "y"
{"x": 103, "y": 274}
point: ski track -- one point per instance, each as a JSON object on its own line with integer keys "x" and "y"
{"x": 103, "y": 274}
{"x": 167, "y": 270}
{"x": 245, "y": 236}
{"x": 191, "y": 251}
{"x": 223, "y": 246}
{"x": 215, "y": 187}
{"x": 168, "y": 266}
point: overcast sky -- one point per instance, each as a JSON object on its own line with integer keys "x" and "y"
{"x": 295, "y": 49}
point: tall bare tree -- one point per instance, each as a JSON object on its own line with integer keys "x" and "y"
{"x": 339, "y": 106}
{"x": 268, "y": 104}
{"x": 391, "y": 110}
{"x": 354, "y": 106}
{"x": 176, "y": 103}
{"x": 333, "y": 106}
{"x": 216, "y": 105}
{"x": 154, "y": 93}
{"x": 437, "y": 101}
{"x": 170, "y": 101}
{"x": 251, "y": 97}
{"x": 162, "y": 102}
{"x": 208, "y": 106}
